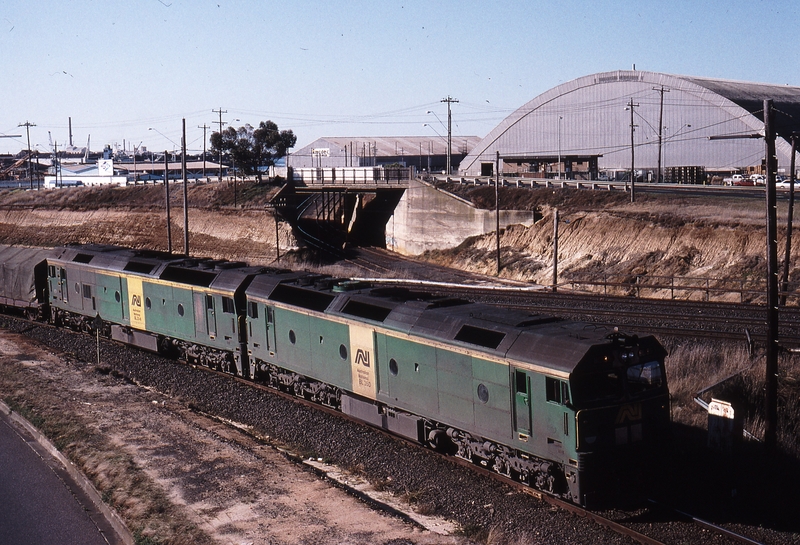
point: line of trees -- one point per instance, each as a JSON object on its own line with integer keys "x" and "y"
{"x": 251, "y": 148}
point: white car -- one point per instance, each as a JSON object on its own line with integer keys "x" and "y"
{"x": 785, "y": 184}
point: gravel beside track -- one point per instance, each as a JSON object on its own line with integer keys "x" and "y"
{"x": 485, "y": 509}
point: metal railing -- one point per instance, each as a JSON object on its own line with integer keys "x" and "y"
{"x": 746, "y": 290}
{"x": 354, "y": 175}
{"x": 608, "y": 185}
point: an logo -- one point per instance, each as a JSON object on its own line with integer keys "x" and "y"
{"x": 631, "y": 412}
{"x": 362, "y": 357}
{"x": 136, "y": 300}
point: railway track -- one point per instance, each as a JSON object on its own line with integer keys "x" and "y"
{"x": 733, "y": 321}
{"x": 653, "y": 524}
{"x": 696, "y": 319}
{"x": 687, "y": 522}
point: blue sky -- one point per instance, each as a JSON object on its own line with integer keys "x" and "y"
{"x": 350, "y": 68}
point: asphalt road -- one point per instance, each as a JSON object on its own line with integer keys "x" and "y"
{"x": 39, "y": 505}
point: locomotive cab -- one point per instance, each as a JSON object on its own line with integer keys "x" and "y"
{"x": 620, "y": 395}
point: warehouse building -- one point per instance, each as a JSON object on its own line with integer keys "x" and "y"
{"x": 670, "y": 128}
{"x": 424, "y": 153}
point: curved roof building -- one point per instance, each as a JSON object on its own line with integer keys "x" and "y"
{"x": 584, "y": 126}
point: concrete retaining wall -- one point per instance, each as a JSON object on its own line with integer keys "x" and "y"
{"x": 429, "y": 219}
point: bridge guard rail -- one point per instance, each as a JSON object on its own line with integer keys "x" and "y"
{"x": 379, "y": 175}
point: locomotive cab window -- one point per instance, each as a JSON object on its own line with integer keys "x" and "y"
{"x": 252, "y": 310}
{"x": 87, "y": 291}
{"x": 227, "y": 305}
{"x": 557, "y": 391}
{"x": 644, "y": 376}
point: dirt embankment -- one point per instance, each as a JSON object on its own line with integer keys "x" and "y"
{"x": 600, "y": 232}
{"x": 136, "y": 217}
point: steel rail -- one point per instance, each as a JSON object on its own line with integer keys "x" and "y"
{"x": 541, "y": 495}
{"x": 708, "y": 525}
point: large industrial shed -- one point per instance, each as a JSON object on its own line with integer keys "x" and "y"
{"x": 425, "y": 153}
{"x": 582, "y": 129}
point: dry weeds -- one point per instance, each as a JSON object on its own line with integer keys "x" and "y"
{"x": 733, "y": 375}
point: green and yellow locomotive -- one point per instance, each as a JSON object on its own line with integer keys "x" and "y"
{"x": 560, "y": 405}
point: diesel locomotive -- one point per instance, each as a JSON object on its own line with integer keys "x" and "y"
{"x": 563, "y": 406}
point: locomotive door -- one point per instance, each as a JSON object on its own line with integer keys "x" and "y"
{"x": 522, "y": 402}
{"x": 271, "y": 329}
{"x": 211, "y": 317}
{"x": 63, "y": 284}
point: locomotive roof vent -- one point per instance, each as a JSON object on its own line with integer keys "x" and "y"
{"x": 139, "y": 267}
{"x": 479, "y": 336}
{"x": 82, "y": 258}
{"x": 311, "y": 278}
{"x": 309, "y": 299}
{"x": 223, "y": 265}
{"x": 447, "y": 302}
{"x": 366, "y": 310}
{"x": 349, "y": 285}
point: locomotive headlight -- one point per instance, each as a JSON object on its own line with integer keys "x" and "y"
{"x": 625, "y": 356}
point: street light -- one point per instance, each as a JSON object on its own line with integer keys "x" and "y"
{"x": 165, "y": 136}
{"x": 559, "y": 146}
{"x": 437, "y": 134}
{"x": 666, "y": 141}
{"x": 434, "y": 130}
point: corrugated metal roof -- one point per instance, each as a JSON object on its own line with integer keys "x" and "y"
{"x": 589, "y": 116}
{"x": 391, "y": 146}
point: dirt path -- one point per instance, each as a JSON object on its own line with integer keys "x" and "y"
{"x": 222, "y": 486}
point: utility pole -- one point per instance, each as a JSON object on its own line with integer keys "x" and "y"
{"x": 28, "y": 126}
{"x": 56, "y": 164}
{"x": 497, "y": 209}
{"x": 771, "y": 389}
{"x": 204, "y": 127}
{"x": 559, "y": 146}
{"x": 449, "y": 101}
{"x": 630, "y": 107}
{"x": 555, "y": 250}
{"x": 771, "y": 379}
{"x": 661, "y": 90}
{"x": 789, "y": 221}
{"x": 185, "y": 194}
{"x": 166, "y": 191}
{"x": 220, "y": 112}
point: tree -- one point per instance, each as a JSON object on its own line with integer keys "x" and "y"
{"x": 251, "y": 148}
